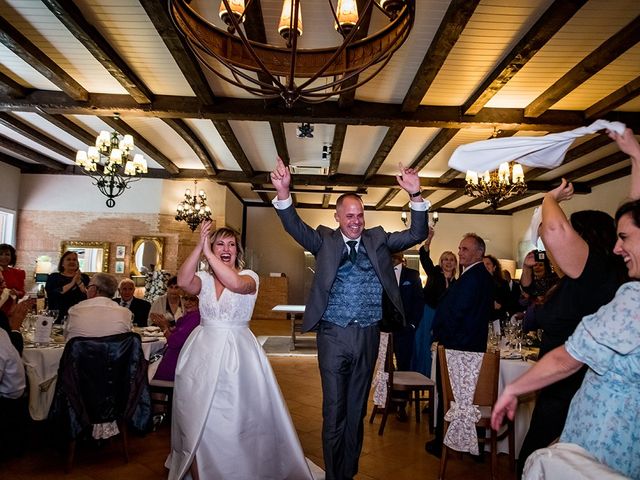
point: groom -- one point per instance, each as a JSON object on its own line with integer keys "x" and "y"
{"x": 353, "y": 269}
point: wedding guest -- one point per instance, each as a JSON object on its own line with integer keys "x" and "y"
{"x": 501, "y": 287}
{"x": 176, "y": 336}
{"x": 98, "y": 316}
{"x": 167, "y": 306}
{"x": 138, "y": 306}
{"x": 67, "y": 286}
{"x": 13, "y": 277}
{"x": 439, "y": 278}
{"x": 582, "y": 247}
{"x": 13, "y": 405}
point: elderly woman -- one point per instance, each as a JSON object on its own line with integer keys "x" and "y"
{"x": 439, "y": 278}
{"x": 603, "y": 417}
{"x": 67, "y": 286}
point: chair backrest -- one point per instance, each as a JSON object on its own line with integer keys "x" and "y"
{"x": 102, "y": 379}
{"x": 389, "y": 366}
{"x": 486, "y": 392}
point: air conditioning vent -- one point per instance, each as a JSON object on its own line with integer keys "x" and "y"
{"x": 309, "y": 169}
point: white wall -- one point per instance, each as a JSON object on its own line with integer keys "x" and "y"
{"x": 76, "y": 193}
{"x": 233, "y": 211}
{"x": 10, "y": 190}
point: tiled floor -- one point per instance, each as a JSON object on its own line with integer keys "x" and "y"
{"x": 397, "y": 455}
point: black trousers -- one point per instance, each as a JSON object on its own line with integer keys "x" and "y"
{"x": 346, "y": 357}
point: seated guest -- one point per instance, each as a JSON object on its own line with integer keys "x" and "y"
{"x": 167, "y": 306}
{"x": 12, "y": 401}
{"x": 13, "y": 277}
{"x": 11, "y": 323}
{"x": 176, "y": 337}
{"x": 139, "y": 307}
{"x": 99, "y": 315}
{"x": 67, "y": 286}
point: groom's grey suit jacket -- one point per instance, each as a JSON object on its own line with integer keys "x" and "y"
{"x": 327, "y": 245}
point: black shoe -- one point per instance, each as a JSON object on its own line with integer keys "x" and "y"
{"x": 401, "y": 414}
{"x": 434, "y": 447}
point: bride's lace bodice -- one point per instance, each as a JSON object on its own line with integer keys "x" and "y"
{"x": 233, "y": 308}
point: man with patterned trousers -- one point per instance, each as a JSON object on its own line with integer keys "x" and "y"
{"x": 353, "y": 273}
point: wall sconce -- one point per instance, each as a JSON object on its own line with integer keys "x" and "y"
{"x": 403, "y": 217}
{"x": 434, "y": 218}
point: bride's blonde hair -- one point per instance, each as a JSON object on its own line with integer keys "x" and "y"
{"x": 225, "y": 232}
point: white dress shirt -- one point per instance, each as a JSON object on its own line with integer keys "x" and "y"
{"x": 12, "y": 378}
{"x": 97, "y": 317}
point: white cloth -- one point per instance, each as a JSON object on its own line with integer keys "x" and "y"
{"x": 547, "y": 151}
{"x": 97, "y": 317}
{"x": 532, "y": 234}
{"x": 159, "y": 306}
{"x": 568, "y": 462}
{"x": 464, "y": 369}
{"x": 12, "y": 377}
{"x": 228, "y": 411}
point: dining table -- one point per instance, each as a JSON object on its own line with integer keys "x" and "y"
{"x": 41, "y": 365}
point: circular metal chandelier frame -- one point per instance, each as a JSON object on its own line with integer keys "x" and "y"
{"x": 354, "y": 57}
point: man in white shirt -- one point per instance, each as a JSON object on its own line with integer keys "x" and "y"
{"x": 99, "y": 315}
{"x": 12, "y": 379}
{"x": 13, "y": 405}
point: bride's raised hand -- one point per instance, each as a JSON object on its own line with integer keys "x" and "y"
{"x": 205, "y": 236}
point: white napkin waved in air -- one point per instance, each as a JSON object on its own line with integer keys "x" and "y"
{"x": 546, "y": 152}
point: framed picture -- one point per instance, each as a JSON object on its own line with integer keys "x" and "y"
{"x": 120, "y": 250}
{"x": 120, "y": 266}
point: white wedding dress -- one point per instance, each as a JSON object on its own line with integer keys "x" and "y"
{"x": 228, "y": 411}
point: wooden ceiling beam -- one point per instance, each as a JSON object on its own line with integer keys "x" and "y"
{"x": 232, "y": 143}
{"x": 614, "y": 100}
{"x": 66, "y": 125}
{"x": 390, "y": 195}
{"x": 448, "y": 199}
{"x": 32, "y": 55}
{"x": 37, "y": 136}
{"x": 549, "y": 23}
{"x": 389, "y": 140}
{"x": 451, "y": 27}
{"x": 438, "y": 143}
{"x": 99, "y": 47}
{"x": 27, "y": 152}
{"x": 187, "y": 62}
{"x": 336, "y": 148}
{"x": 14, "y": 162}
{"x": 8, "y": 86}
{"x": 188, "y": 135}
{"x": 602, "y": 56}
{"x": 280, "y": 139}
{"x": 362, "y": 113}
{"x": 122, "y": 127}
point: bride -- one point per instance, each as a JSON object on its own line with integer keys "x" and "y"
{"x": 229, "y": 418}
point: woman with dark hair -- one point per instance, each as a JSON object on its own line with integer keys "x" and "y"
{"x": 501, "y": 291}
{"x": 582, "y": 248}
{"x": 603, "y": 416}
{"x": 67, "y": 286}
{"x": 13, "y": 277}
{"x": 168, "y": 306}
{"x": 229, "y": 417}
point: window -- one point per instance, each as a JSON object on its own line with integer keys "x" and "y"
{"x": 7, "y": 230}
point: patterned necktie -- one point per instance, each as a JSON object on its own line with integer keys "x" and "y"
{"x": 124, "y": 304}
{"x": 353, "y": 254}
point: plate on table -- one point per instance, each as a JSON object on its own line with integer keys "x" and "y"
{"x": 149, "y": 339}
{"x": 510, "y": 355}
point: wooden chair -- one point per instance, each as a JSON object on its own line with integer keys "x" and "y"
{"x": 485, "y": 397}
{"x": 162, "y": 394}
{"x": 419, "y": 387}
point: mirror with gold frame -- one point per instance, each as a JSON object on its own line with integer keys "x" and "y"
{"x": 93, "y": 257}
{"x": 146, "y": 254}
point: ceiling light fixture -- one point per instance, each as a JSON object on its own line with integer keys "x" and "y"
{"x": 111, "y": 165}
{"x": 193, "y": 209}
{"x": 495, "y": 186}
{"x": 285, "y": 70}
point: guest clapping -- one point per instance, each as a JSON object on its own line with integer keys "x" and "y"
{"x": 67, "y": 286}
{"x": 13, "y": 277}
{"x": 167, "y": 306}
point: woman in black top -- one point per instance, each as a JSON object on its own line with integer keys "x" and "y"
{"x": 439, "y": 278}
{"x": 67, "y": 286}
{"x": 501, "y": 291}
{"x": 582, "y": 248}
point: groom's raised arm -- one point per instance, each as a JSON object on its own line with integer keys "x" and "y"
{"x": 292, "y": 223}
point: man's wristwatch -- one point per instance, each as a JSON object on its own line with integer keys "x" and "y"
{"x": 416, "y": 194}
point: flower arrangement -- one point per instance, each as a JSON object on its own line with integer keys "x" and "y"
{"x": 155, "y": 285}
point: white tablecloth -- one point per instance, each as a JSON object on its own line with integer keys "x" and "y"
{"x": 41, "y": 365}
